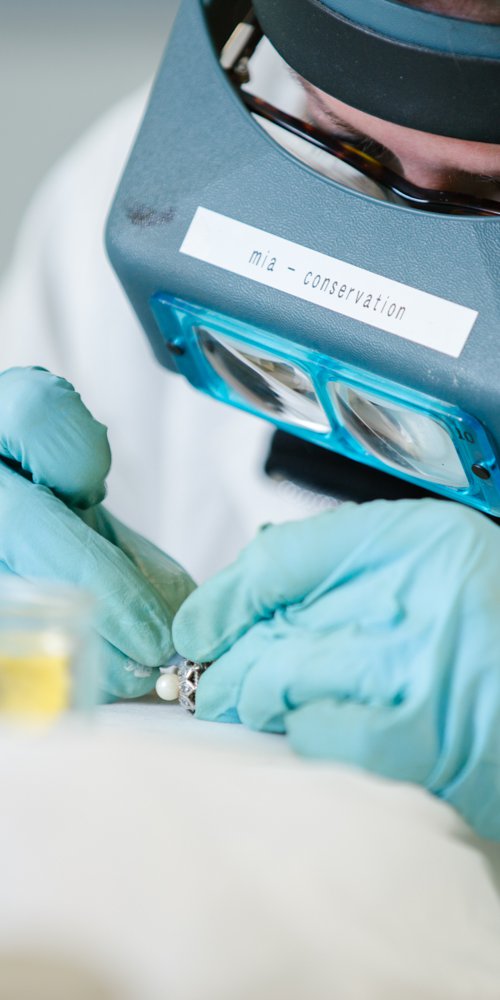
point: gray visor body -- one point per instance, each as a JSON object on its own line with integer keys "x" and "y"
{"x": 200, "y": 151}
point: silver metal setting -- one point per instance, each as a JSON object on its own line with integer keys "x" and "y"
{"x": 189, "y": 674}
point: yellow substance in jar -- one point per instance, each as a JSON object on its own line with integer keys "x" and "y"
{"x": 34, "y": 683}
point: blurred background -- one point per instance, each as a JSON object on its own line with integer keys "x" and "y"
{"x": 63, "y": 62}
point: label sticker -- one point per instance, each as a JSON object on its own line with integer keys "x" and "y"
{"x": 333, "y": 284}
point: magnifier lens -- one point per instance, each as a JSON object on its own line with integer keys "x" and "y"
{"x": 275, "y": 387}
{"x": 402, "y": 438}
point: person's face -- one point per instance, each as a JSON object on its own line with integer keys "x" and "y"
{"x": 430, "y": 161}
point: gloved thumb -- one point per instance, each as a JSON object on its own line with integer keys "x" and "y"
{"x": 46, "y": 429}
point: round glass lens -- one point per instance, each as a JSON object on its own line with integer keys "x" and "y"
{"x": 270, "y": 385}
{"x": 403, "y": 439}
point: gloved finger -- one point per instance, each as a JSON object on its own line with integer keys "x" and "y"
{"x": 276, "y": 666}
{"x": 121, "y": 677}
{"x": 300, "y": 668}
{"x": 376, "y": 738}
{"x": 162, "y": 572}
{"x": 42, "y": 539}
{"x": 219, "y": 688}
{"x": 289, "y": 563}
{"x": 48, "y": 431}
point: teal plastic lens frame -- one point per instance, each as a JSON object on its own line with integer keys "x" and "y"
{"x": 186, "y": 327}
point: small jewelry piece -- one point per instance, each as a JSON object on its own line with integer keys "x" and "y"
{"x": 181, "y": 683}
{"x": 189, "y": 677}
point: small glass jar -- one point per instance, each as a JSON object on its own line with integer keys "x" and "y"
{"x": 48, "y": 656}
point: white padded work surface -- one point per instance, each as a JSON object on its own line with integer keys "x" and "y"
{"x": 187, "y": 861}
{"x": 152, "y": 716}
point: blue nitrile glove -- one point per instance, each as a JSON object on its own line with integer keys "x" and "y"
{"x": 371, "y": 635}
{"x": 53, "y": 528}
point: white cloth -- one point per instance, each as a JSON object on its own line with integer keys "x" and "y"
{"x": 174, "y": 869}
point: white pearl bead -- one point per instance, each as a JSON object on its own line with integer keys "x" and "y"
{"x": 167, "y": 687}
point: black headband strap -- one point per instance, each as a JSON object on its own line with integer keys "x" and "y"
{"x": 420, "y": 88}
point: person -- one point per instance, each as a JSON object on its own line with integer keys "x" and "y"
{"x": 367, "y": 633}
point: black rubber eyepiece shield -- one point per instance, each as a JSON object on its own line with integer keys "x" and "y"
{"x": 429, "y": 89}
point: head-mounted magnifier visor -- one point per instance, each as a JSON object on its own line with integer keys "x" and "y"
{"x": 359, "y": 325}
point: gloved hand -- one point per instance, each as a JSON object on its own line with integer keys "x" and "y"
{"x": 53, "y": 527}
{"x": 371, "y": 635}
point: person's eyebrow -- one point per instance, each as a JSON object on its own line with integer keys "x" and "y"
{"x": 345, "y": 128}
{"x": 334, "y": 119}
{"x": 339, "y": 123}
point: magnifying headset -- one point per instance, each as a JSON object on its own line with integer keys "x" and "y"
{"x": 360, "y": 316}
